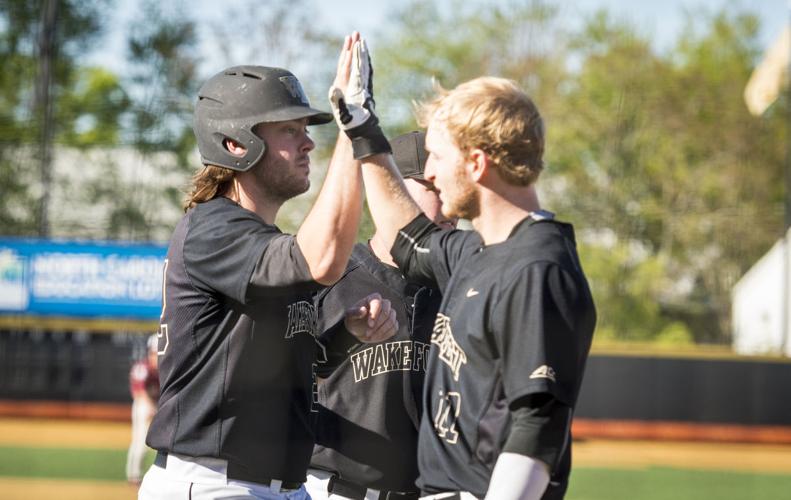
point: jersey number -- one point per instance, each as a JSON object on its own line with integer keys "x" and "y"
{"x": 163, "y": 327}
{"x": 446, "y": 416}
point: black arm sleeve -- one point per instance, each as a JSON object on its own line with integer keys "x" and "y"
{"x": 426, "y": 254}
{"x": 411, "y": 250}
{"x": 540, "y": 428}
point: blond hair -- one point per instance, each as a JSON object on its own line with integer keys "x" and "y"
{"x": 209, "y": 183}
{"x": 494, "y": 115}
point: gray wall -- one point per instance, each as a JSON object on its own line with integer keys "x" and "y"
{"x": 69, "y": 366}
{"x": 700, "y": 390}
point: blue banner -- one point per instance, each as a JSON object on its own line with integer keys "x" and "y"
{"x": 81, "y": 279}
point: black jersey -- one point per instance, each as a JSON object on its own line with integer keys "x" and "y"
{"x": 237, "y": 345}
{"x": 516, "y": 319}
{"x": 370, "y": 400}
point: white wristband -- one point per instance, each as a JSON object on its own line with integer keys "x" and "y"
{"x": 518, "y": 477}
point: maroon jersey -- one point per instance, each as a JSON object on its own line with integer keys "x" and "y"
{"x": 144, "y": 378}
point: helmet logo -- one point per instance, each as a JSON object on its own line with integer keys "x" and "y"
{"x": 294, "y": 88}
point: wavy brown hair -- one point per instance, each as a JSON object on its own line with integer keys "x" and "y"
{"x": 209, "y": 183}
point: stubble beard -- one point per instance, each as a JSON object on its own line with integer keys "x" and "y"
{"x": 278, "y": 181}
{"x": 466, "y": 204}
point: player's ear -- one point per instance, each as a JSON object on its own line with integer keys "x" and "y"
{"x": 234, "y": 147}
{"x": 479, "y": 164}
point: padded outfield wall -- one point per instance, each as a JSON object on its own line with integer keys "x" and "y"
{"x": 690, "y": 397}
{"x": 686, "y": 397}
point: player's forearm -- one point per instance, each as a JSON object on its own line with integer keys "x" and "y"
{"x": 390, "y": 204}
{"x": 329, "y": 232}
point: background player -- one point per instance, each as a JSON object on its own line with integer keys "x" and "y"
{"x": 514, "y": 329}
{"x": 144, "y": 387}
{"x": 237, "y": 332}
{"x": 370, "y": 404}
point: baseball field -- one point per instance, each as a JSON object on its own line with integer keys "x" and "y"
{"x": 83, "y": 459}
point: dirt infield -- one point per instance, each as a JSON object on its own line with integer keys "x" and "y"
{"x": 25, "y": 489}
{"x": 759, "y": 458}
{"x": 64, "y": 433}
{"x": 587, "y": 453}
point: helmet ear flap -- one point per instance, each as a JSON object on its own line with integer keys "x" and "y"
{"x": 255, "y": 147}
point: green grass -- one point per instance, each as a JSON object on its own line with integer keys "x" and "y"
{"x": 66, "y": 463}
{"x": 653, "y": 483}
{"x": 661, "y": 483}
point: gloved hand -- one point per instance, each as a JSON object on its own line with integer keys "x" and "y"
{"x": 351, "y": 97}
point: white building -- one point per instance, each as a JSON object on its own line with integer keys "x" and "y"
{"x": 89, "y": 185}
{"x": 761, "y": 304}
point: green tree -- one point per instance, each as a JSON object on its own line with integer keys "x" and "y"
{"x": 660, "y": 151}
{"x": 91, "y": 108}
{"x": 426, "y": 44}
{"x": 161, "y": 86}
{"x": 72, "y": 26}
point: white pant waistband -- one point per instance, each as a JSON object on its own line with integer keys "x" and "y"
{"x": 324, "y": 476}
{"x": 206, "y": 470}
{"x": 463, "y": 495}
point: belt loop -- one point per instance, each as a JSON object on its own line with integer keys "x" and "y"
{"x": 346, "y": 488}
{"x": 161, "y": 460}
{"x": 275, "y": 485}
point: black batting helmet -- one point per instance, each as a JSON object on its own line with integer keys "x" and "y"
{"x": 237, "y": 99}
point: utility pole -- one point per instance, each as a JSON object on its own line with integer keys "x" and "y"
{"x": 44, "y": 108}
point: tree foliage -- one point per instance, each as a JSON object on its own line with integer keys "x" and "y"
{"x": 161, "y": 81}
{"x": 78, "y": 24}
{"x": 661, "y": 151}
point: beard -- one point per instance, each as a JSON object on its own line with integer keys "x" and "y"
{"x": 465, "y": 201}
{"x": 280, "y": 180}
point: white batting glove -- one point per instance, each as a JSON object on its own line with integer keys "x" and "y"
{"x": 351, "y": 97}
{"x": 353, "y": 106}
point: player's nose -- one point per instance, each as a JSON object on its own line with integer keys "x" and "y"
{"x": 307, "y": 144}
{"x": 429, "y": 170}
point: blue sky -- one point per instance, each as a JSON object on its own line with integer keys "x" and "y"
{"x": 664, "y": 18}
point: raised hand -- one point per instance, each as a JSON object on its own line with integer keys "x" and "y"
{"x": 351, "y": 97}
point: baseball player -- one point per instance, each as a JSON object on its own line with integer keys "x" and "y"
{"x": 370, "y": 414}
{"x": 237, "y": 333}
{"x": 144, "y": 387}
{"x": 515, "y": 325}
